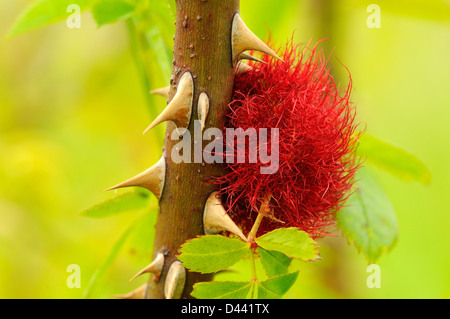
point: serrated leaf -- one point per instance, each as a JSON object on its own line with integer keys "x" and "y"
{"x": 45, "y": 12}
{"x": 368, "y": 218}
{"x": 109, "y": 11}
{"x": 212, "y": 253}
{"x": 393, "y": 159}
{"x": 290, "y": 241}
{"x": 127, "y": 202}
{"x": 274, "y": 263}
{"x": 276, "y": 287}
{"x": 221, "y": 290}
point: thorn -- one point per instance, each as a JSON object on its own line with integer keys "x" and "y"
{"x": 175, "y": 280}
{"x": 162, "y": 91}
{"x": 152, "y": 179}
{"x": 245, "y": 56}
{"x": 180, "y": 108}
{"x": 216, "y": 219}
{"x": 243, "y": 39}
{"x": 155, "y": 267}
{"x": 203, "y": 108}
{"x": 242, "y": 68}
{"x": 138, "y": 293}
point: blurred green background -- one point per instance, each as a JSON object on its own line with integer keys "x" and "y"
{"x": 73, "y": 108}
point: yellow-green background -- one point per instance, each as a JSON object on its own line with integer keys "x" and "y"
{"x": 72, "y": 113}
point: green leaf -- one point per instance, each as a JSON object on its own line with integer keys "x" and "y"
{"x": 44, "y": 12}
{"x": 290, "y": 241}
{"x": 274, "y": 263}
{"x": 369, "y": 220}
{"x": 212, "y": 253}
{"x": 221, "y": 290}
{"x": 393, "y": 159}
{"x": 109, "y": 11}
{"x": 275, "y": 288}
{"x": 127, "y": 202}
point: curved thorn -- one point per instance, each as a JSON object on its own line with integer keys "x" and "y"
{"x": 203, "y": 108}
{"x": 161, "y": 91}
{"x": 246, "y": 56}
{"x": 243, "y": 39}
{"x": 152, "y": 179}
{"x": 216, "y": 219}
{"x": 155, "y": 267}
{"x": 179, "y": 110}
{"x": 175, "y": 281}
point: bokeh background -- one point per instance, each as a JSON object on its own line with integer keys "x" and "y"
{"x": 72, "y": 112}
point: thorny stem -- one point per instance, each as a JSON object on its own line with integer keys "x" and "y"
{"x": 202, "y": 46}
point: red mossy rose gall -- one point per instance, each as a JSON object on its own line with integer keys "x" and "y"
{"x": 317, "y": 140}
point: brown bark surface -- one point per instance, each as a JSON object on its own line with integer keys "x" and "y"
{"x": 202, "y": 46}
